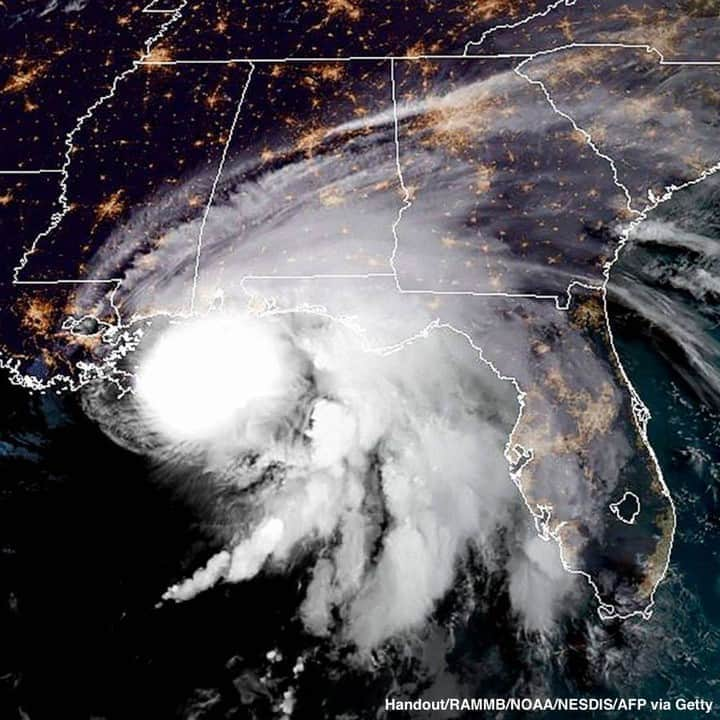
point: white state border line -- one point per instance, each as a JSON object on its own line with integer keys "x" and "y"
{"x": 405, "y": 58}
{"x": 41, "y": 171}
{"x": 416, "y": 58}
{"x": 57, "y": 217}
{"x": 406, "y": 200}
{"x": 391, "y": 59}
{"x": 518, "y": 23}
{"x": 213, "y": 190}
{"x": 302, "y": 60}
{"x": 586, "y": 135}
{"x": 149, "y": 8}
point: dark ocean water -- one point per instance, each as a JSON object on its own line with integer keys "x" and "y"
{"x": 668, "y": 344}
{"x": 684, "y": 431}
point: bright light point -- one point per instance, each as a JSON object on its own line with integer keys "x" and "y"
{"x": 200, "y": 375}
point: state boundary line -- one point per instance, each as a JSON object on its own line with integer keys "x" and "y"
{"x": 390, "y": 59}
{"x": 40, "y": 171}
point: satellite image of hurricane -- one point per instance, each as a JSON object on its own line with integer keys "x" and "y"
{"x": 359, "y": 359}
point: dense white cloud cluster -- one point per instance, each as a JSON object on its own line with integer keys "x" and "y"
{"x": 392, "y": 462}
{"x": 200, "y": 375}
